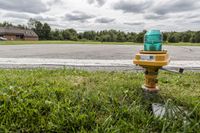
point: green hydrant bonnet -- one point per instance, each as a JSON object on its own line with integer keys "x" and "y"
{"x": 153, "y": 40}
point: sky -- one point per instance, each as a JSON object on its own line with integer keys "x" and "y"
{"x": 124, "y": 15}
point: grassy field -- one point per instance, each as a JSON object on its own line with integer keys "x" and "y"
{"x": 67, "y": 100}
{"x": 86, "y": 42}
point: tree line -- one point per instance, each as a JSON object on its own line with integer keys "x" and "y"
{"x": 45, "y": 32}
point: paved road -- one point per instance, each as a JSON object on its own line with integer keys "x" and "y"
{"x": 78, "y": 51}
{"x": 91, "y": 57}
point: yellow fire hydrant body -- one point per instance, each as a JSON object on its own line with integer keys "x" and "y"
{"x": 151, "y": 61}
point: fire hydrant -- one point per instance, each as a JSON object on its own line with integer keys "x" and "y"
{"x": 152, "y": 58}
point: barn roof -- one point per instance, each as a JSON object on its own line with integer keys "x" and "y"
{"x": 17, "y": 31}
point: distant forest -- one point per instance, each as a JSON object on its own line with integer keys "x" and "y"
{"x": 45, "y": 32}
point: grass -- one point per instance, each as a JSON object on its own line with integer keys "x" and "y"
{"x": 61, "y": 42}
{"x": 87, "y": 42}
{"x": 69, "y": 100}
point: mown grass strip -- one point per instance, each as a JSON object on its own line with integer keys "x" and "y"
{"x": 69, "y": 100}
{"x": 62, "y": 42}
{"x": 88, "y": 42}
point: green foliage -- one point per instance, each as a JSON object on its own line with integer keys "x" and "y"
{"x": 42, "y": 30}
{"x": 70, "y": 34}
{"x": 197, "y": 37}
{"x": 174, "y": 37}
{"x": 56, "y": 35}
{"x": 89, "y": 35}
{"x": 165, "y": 35}
{"x": 186, "y": 36}
{"x": 45, "y": 32}
{"x": 140, "y": 38}
{"x": 7, "y": 24}
{"x": 79, "y": 101}
{"x": 192, "y": 39}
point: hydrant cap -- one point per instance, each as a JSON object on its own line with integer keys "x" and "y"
{"x": 153, "y": 40}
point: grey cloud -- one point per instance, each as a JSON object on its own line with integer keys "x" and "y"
{"x": 132, "y": 6}
{"x": 17, "y": 15}
{"x": 54, "y": 2}
{"x": 160, "y": 25}
{"x": 91, "y": 1}
{"x": 99, "y": 2}
{"x": 104, "y": 20}
{"x": 176, "y": 6}
{"x": 42, "y": 18}
{"x": 28, "y": 16}
{"x": 134, "y": 23}
{"x": 155, "y": 16}
{"x": 30, "y": 6}
{"x": 192, "y": 16}
{"x": 196, "y": 21}
{"x": 78, "y": 16}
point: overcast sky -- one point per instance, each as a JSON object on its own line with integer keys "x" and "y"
{"x": 126, "y": 15}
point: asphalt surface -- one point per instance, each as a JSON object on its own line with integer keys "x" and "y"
{"x": 86, "y": 51}
{"x": 90, "y": 57}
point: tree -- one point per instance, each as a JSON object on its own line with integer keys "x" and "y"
{"x": 6, "y": 24}
{"x": 66, "y": 35}
{"x": 89, "y": 35}
{"x": 37, "y": 27}
{"x": 46, "y": 30}
{"x": 131, "y": 37}
{"x": 80, "y": 36}
{"x": 197, "y": 37}
{"x": 74, "y": 35}
{"x": 173, "y": 37}
{"x": 192, "y": 39}
{"x": 121, "y": 37}
{"x": 165, "y": 35}
{"x": 22, "y": 26}
{"x": 56, "y": 35}
{"x": 70, "y": 34}
{"x": 140, "y": 37}
{"x": 186, "y": 36}
{"x": 106, "y": 38}
{"x": 42, "y": 30}
{"x": 112, "y": 35}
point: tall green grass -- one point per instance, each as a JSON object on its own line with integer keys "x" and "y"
{"x": 70, "y": 100}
